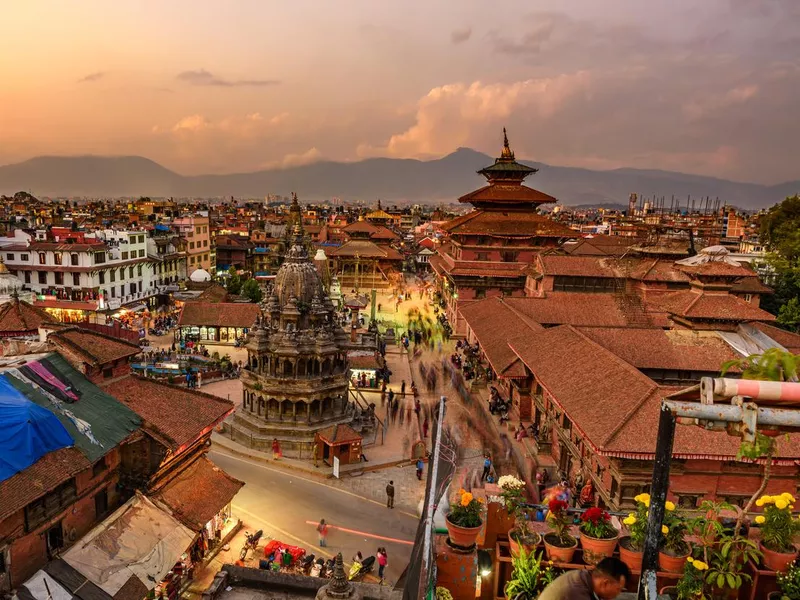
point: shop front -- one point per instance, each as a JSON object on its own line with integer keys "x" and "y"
{"x": 69, "y": 311}
{"x": 215, "y": 322}
{"x": 364, "y": 370}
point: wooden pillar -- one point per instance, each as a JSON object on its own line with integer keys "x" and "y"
{"x": 321, "y": 405}
{"x": 294, "y": 411}
{"x": 308, "y": 412}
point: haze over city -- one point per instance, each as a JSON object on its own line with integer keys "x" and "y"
{"x": 201, "y": 87}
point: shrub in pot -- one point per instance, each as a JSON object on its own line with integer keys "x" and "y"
{"x": 529, "y": 577}
{"x": 512, "y": 499}
{"x": 789, "y": 583}
{"x": 464, "y": 520}
{"x": 598, "y": 535}
{"x": 559, "y": 544}
{"x": 691, "y": 585}
{"x": 631, "y": 546}
{"x": 778, "y": 531}
{"x": 673, "y": 549}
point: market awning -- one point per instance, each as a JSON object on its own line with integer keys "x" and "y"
{"x": 198, "y": 493}
{"x": 66, "y": 304}
{"x": 131, "y": 550}
{"x": 364, "y": 362}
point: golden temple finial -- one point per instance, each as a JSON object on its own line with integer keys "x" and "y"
{"x": 507, "y": 154}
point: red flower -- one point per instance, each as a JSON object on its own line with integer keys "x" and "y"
{"x": 556, "y": 505}
{"x": 595, "y": 515}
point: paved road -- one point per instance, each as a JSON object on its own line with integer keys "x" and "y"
{"x": 287, "y": 507}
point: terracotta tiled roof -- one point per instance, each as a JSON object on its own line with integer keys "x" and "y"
{"x": 339, "y": 434}
{"x": 581, "y": 266}
{"x": 694, "y": 305}
{"x": 716, "y": 269}
{"x": 496, "y": 325}
{"x": 47, "y": 473}
{"x": 365, "y": 249}
{"x": 655, "y": 270}
{"x": 572, "y": 308}
{"x": 601, "y": 245}
{"x": 787, "y": 339}
{"x": 508, "y": 223}
{"x": 213, "y": 293}
{"x": 360, "y": 227}
{"x": 507, "y": 194}
{"x": 175, "y": 415}
{"x": 19, "y": 316}
{"x": 659, "y": 349}
{"x": 198, "y": 493}
{"x": 226, "y": 314}
{"x": 750, "y": 285}
{"x": 95, "y": 348}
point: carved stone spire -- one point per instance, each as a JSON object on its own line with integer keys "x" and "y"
{"x": 339, "y": 587}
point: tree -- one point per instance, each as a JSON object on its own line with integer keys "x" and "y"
{"x": 780, "y": 234}
{"x": 234, "y": 281}
{"x": 789, "y": 315}
{"x": 252, "y": 290}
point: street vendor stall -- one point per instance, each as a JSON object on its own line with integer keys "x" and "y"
{"x": 364, "y": 369}
{"x": 340, "y": 441}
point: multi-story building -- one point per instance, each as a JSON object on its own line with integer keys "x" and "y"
{"x": 75, "y": 274}
{"x": 167, "y": 250}
{"x": 199, "y": 249}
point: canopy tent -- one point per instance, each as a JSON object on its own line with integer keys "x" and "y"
{"x": 29, "y": 431}
{"x": 43, "y": 586}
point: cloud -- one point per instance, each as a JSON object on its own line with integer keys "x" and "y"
{"x": 92, "y": 77}
{"x": 461, "y": 114}
{"x": 203, "y": 77}
{"x": 311, "y": 155}
{"x": 459, "y": 36}
{"x": 191, "y": 123}
{"x": 704, "y": 105}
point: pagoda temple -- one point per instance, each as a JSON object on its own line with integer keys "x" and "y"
{"x": 296, "y": 379}
{"x": 490, "y": 248}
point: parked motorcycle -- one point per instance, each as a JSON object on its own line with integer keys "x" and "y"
{"x": 251, "y": 543}
{"x": 359, "y": 569}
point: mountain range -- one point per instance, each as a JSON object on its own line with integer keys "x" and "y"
{"x": 394, "y": 180}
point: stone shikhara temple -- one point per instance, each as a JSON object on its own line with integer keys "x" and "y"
{"x": 296, "y": 380}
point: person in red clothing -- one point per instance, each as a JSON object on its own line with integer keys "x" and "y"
{"x": 322, "y": 529}
{"x": 276, "y": 449}
{"x": 383, "y": 560}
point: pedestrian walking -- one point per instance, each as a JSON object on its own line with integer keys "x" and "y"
{"x": 315, "y": 452}
{"x": 420, "y": 465}
{"x": 402, "y": 415}
{"x": 390, "y": 494}
{"x": 383, "y": 560}
{"x": 403, "y": 387}
{"x": 322, "y": 530}
{"x": 391, "y": 397}
{"x": 425, "y": 428}
{"x": 487, "y": 466}
{"x": 276, "y": 449}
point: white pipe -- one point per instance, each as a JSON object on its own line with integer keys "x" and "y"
{"x": 426, "y": 548}
{"x": 779, "y": 391}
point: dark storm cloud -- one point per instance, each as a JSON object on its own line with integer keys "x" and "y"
{"x": 203, "y": 77}
{"x": 92, "y": 77}
{"x": 459, "y": 36}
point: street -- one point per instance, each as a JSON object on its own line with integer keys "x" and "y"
{"x": 288, "y": 507}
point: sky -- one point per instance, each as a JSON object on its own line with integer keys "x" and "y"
{"x": 709, "y": 87}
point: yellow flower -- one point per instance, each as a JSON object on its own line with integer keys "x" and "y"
{"x": 690, "y": 560}
{"x": 789, "y": 498}
{"x": 466, "y": 498}
{"x": 462, "y": 491}
{"x": 669, "y": 505}
{"x": 760, "y": 519}
{"x": 765, "y": 500}
{"x": 781, "y": 503}
{"x": 629, "y": 520}
{"x": 664, "y": 529}
{"x": 643, "y": 498}
{"x": 480, "y": 500}
{"x": 700, "y": 565}
{"x": 760, "y": 502}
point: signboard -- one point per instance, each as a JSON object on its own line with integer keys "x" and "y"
{"x": 336, "y": 467}
{"x": 113, "y": 303}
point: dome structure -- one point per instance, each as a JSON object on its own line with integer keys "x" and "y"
{"x": 200, "y": 276}
{"x": 298, "y": 277}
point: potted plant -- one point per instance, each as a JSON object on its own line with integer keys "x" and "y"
{"x": 511, "y": 496}
{"x": 559, "y": 544}
{"x": 691, "y": 585}
{"x": 789, "y": 582}
{"x": 598, "y": 535}
{"x": 778, "y": 531}
{"x": 727, "y": 559}
{"x": 529, "y": 576}
{"x": 464, "y": 520}
{"x": 631, "y": 546}
{"x": 674, "y": 549}
{"x": 442, "y": 593}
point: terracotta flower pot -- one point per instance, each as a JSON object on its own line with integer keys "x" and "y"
{"x": 557, "y": 553}
{"x": 632, "y": 558}
{"x": 777, "y": 561}
{"x": 515, "y": 545}
{"x": 596, "y": 549}
{"x": 670, "y": 563}
{"x": 464, "y": 537}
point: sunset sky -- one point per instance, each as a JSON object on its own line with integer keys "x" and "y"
{"x": 701, "y": 86}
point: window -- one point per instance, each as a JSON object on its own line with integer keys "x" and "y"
{"x": 99, "y": 466}
{"x": 205, "y": 229}
{"x": 42, "y": 258}
{"x": 108, "y": 373}
{"x": 614, "y": 487}
{"x": 121, "y": 291}
{"x": 2, "y": 560}
{"x": 205, "y": 256}
{"x": 113, "y": 275}
{"x": 133, "y": 288}
{"x": 141, "y": 253}
{"x": 49, "y": 505}
{"x": 141, "y": 239}
{"x": 43, "y": 277}
{"x": 191, "y": 260}
{"x": 509, "y": 256}
{"x": 76, "y": 279}
{"x": 57, "y": 257}
{"x": 205, "y": 243}
{"x": 480, "y": 293}
{"x": 197, "y": 230}
{"x": 9, "y": 257}
{"x": 113, "y": 292}
{"x": 27, "y": 276}
{"x": 99, "y": 258}
{"x": 748, "y": 297}
{"x": 55, "y": 539}
{"x": 191, "y": 245}
{"x": 101, "y": 276}
{"x": 59, "y": 278}
{"x": 125, "y": 255}
{"x": 122, "y": 274}
{"x": 139, "y": 270}
{"x": 688, "y": 500}
{"x": 482, "y": 256}
{"x": 139, "y": 285}
{"x": 73, "y": 259}
{"x": 130, "y": 272}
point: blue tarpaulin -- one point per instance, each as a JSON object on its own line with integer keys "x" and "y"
{"x": 29, "y": 431}
{"x": 160, "y": 227}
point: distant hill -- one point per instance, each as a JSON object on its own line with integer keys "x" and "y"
{"x": 444, "y": 179}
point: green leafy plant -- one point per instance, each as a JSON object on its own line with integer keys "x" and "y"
{"x": 778, "y": 528}
{"x": 636, "y": 522}
{"x": 467, "y": 511}
{"x": 673, "y": 532}
{"x": 728, "y": 558}
{"x": 529, "y": 577}
{"x": 691, "y": 585}
{"x": 512, "y": 498}
{"x": 252, "y": 291}
{"x": 789, "y": 582}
